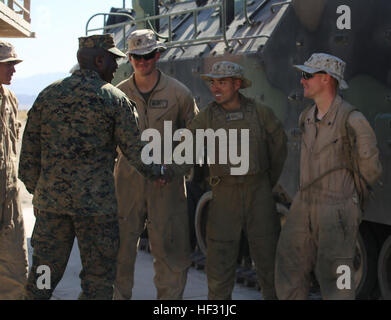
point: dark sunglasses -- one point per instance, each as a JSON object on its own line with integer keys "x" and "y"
{"x": 148, "y": 56}
{"x": 307, "y": 76}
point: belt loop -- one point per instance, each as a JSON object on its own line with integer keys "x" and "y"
{"x": 214, "y": 181}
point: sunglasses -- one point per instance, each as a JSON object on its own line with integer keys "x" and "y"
{"x": 148, "y": 56}
{"x": 307, "y": 76}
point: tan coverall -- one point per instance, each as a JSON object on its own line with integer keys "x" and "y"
{"x": 321, "y": 229}
{"x": 243, "y": 202}
{"x": 162, "y": 209}
{"x": 13, "y": 246}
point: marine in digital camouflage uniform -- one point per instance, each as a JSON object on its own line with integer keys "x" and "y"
{"x": 163, "y": 211}
{"x": 67, "y": 161}
{"x": 241, "y": 202}
{"x": 321, "y": 229}
{"x": 13, "y": 246}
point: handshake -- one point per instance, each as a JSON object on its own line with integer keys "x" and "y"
{"x": 161, "y": 174}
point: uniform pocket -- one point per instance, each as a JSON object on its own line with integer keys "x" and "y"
{"x": 345, "y": 229}
{"x": 166, "y": 113}
{"x": 331, "y": 149}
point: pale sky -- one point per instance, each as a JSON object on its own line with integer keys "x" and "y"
{"x": 57, "y": 24}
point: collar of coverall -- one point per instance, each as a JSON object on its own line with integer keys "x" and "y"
{"x": 3, "y": 91}
{"x": 1, "y": 94}
{"x": 331, "y": 113}
{"x": 160, "y": 86}
{"x": 245, "y": 104}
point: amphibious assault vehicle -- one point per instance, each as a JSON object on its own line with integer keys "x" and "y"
{"x": 267, "y": 37}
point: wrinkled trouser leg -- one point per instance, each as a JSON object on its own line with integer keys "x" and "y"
{"x": 295, "y": 254}
{"x": 13, "y": 252}
{"x": 52, "y": 240}
{"x": 131, "y": 218}
{"x": 338, "y": 228}
{"x": 98, "y": 240}
{"x": 221, "y": 263}
{"x": 223, "y": 232}
{"x": 318, "y": 236}
{"x": 168, "y": 231}
{"x": 233, "y": 208}
{"x": 165, "y": 211}
{"x": 263, "y": 229}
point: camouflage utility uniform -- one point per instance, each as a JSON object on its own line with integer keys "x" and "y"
{"x": 13, "y": 247}
{"x": 67, "y": 161}
{"x": 243, "y": 202}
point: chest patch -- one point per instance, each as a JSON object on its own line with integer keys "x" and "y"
{"x": 232, "y": 116}
{"x": 159, "y": 104}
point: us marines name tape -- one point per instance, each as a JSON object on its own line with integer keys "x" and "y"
{"x": 189, "y": 151}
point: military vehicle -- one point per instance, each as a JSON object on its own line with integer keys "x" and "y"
{"x": 267, "y": 37}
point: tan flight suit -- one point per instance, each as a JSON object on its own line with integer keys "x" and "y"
{"x": 162, "y": 209}
{"x": 321, "y": 229}
{"x": 13, "y": 246}
{"x": 243, "y": 202}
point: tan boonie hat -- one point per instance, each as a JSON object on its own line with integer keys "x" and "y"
{"x": 7, "y": 53}
{"x": 332, "y": 65}
{"x": 227, "y": 69}
{"x": 104, "y": 41}
{"x": 143, "y": 41}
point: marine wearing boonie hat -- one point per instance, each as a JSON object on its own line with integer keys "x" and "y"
{"x": 227, "y": 69}
{"x": 103, "y": 41}
{"x": 142, "y": 42}
{"x": 332, "y": 65}
{"x": 7, "y": 53}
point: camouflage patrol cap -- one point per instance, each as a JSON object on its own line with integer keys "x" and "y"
{"x": 143, "y": 41}
{"x": 332, "y": 65}
{"x": 104, "y": 41}
{"x": 7, "y": 53}
{"x": 227, "y": 69}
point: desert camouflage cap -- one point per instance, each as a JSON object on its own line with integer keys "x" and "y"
{"x": 143, "y": 41}
{"x": 104, "y": 41}
{"x": 7, "y": 53}
{"x": 332, "y": 65}
{"x": 227, "y": 69}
